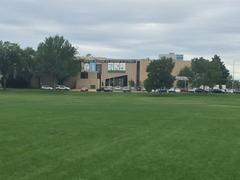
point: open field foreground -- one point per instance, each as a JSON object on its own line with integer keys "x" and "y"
{"x": 101, "y": 136}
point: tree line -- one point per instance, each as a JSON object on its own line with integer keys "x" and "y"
{"x": 202, "y": 72}
{"x": 55, "y": 57}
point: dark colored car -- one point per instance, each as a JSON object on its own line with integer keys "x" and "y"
{"x": 200, "y": 90}
{"x": 217, "y": 91}
{"x": 100, "y": 89}
{"x": 139, "y": 88}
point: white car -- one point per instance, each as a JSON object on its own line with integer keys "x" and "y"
{"x": 126, "y": 89}
{"x": 62, "y": 87}
{"x": 192, "y": 90}
{"x": 153, "y": 91}
{"x": 177, "y": 90}
{"x": 46, "y": 87}
{"x": 171, "y": 90}
{"x": 108, "y": 89}
{"x": 174, "y": 90}
{"x": 231, "y": 91}
{"x": 117, "y": 88}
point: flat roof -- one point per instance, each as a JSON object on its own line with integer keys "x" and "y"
{"x": 109, "y": 60}
{"x": 112, "y": 60}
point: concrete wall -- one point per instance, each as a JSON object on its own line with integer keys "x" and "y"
{"x": 179, "y": 65}
{"x": 143, "y": 70}
{"x": 87, "y": 83}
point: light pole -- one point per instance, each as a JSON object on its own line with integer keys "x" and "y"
{"x": 233, "y": 75}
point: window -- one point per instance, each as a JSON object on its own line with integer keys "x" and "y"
{"x": 98, "y": 76}
{"x": 99, "y": 68}
{"x": 92, "y": 86}
{"x": 84, "y": 75}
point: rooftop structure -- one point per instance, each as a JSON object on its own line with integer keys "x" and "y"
{"x": 175, "y": 57}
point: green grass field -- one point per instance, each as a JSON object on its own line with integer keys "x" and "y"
{"x": 101, "y": 136}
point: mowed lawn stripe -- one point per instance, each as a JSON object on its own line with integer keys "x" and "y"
{"x": 47, "y": 135}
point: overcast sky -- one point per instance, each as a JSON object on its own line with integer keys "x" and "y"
{"x": 128, "y": 28}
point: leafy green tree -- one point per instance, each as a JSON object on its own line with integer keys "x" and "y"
{"x": 209, "y": 73}
{"x": 9, "y": 56}
{"x": 24, "y": 68}
{"x": 219, "y": 72}
{"x": 232, "y": 84}
{"x": 159, "y": 74}
{"x": 57, "y": 58}
{"x": 229, "y": 82}
{"x": 236, "y": 85}
{"x": 200, "y": 68}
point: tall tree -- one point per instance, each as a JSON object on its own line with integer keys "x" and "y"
{"x": 24, "y": 68}
{"x": 209, "y": 73}
{"x": 9, "y": 56}
{"x": 219, "y": 71}
{"x": 57, "y": 58}
{"x": 159, "y": 74}
{"x": 200, "y": 68}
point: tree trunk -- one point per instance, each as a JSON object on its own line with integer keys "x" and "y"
{"x": 54, "y": 82}
{"x": 4, "y": 82}
{"x": 39, "y": 82}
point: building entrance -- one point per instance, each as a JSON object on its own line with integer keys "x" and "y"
{"x": 120, "y": 81}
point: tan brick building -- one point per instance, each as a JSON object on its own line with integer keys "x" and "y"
{"x": 100, "y": 72}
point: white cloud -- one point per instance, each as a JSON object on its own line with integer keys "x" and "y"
{"x": 99, "y": 50}
{"x": 128, "y": 28}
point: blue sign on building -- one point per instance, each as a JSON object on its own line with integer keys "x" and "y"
{"x": 92, "y": 67}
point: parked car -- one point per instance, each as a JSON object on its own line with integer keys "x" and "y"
{"x": 154, "y": 91}
{"x": 84, "y": 89}
{"x": 177, "y": 90}
{"x": 46, "y": 87}
{"x": 100, "y": 89}
{"x": 192, "y": 90}
{"x": 171, "y": 90}
{"x": 133, "y": 89}
{"x": 108, "y": 89}
{"x": 126, "y": 89}
{"x": 139, "y": 88}
{"x": 184, "y": 90}
{"x": 162, "y": 90}
{"x": 200, "y": 90}
{"x": 62, "y": 87}
{"x": 230, "y": 91}
{"x": 117, "y": 88}
{"x": 174, "y": 90}
{"x": 218, "y": 91}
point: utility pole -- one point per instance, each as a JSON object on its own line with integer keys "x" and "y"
{"x": 233, "y": 76}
